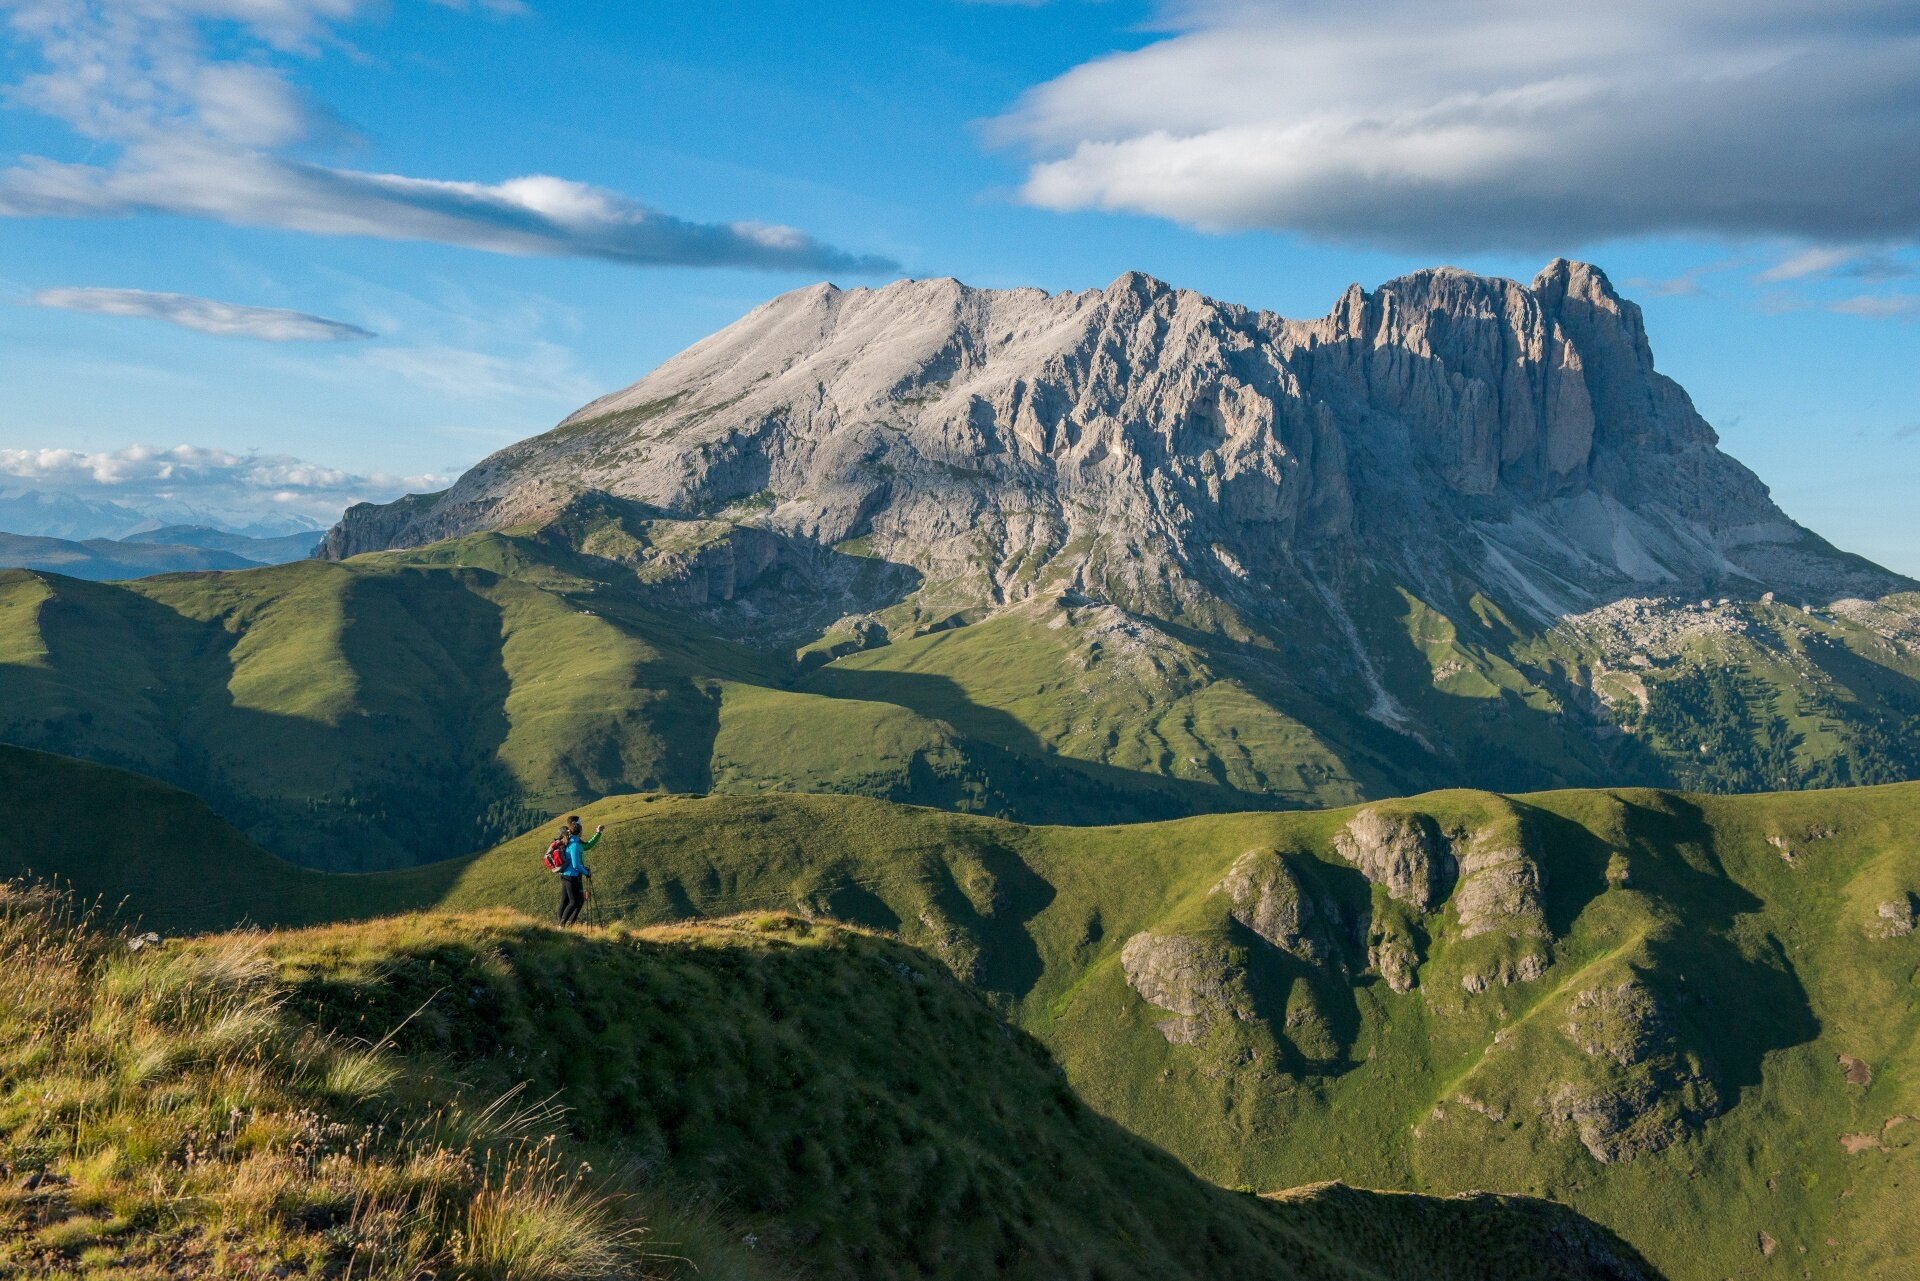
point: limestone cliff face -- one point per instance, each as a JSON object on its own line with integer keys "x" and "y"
{"x": 1152, "y": 443}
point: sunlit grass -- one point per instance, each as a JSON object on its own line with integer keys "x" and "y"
{"x": 164, "y": 1103}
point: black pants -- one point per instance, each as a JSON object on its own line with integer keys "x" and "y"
{"x": 573, "y": 897}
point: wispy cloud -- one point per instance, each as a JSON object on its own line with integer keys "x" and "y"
{"x": 1818, "y": 261}
{"x": 185, "y": 479}
{"x": 1880, "y": 306}
{"x": 1433, "y": 125}
{"x": 1688, "y": 284}
{"x": 1823, "y": 261}
{"x": 207, "y": 134}
{"x": 208, "y": 315}
{"x": 537, "y": 370}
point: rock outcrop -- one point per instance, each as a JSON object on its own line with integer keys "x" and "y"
{"x": 1499, "y": 890}
{"x": 1403, "y": 853}
{"x": 1645, "y": 1092}
{"x": 1269, "y": 898}
{"x": 1194, "y": 980}
{"x": 1894, "y": 919}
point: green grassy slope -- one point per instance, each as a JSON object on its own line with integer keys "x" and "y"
{"x": 1107, "y": 693}
{"x": 400, "y": 708}
{"x": 1676, "y": 1065}
{"x": 753, "y": 1099}
{"x": 1695, "y": 1019}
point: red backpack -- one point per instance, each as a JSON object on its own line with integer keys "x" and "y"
{"x": 557, "y": 853}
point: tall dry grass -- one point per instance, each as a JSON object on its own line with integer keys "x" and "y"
{"x": 163, "y": 1112}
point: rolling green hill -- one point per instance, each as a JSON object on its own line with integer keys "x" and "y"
{"x": 1694, "y": 1019}
{"x": 476, "y": 1096}
{"x": 405, "y": 706}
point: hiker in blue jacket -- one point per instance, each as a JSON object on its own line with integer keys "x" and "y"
{"x": 574, "y": 872}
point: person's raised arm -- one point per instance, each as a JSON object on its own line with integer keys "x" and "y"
{"x": 593, "y": 840}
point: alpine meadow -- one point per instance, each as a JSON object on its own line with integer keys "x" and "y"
{"x": 941, "y": 780}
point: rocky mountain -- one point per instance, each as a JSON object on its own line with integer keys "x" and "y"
{"x": 1153, "y": 446}
{"x": 1459, "y": 530}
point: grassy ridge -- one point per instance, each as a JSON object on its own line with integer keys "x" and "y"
{"x": 480, "y": 1097}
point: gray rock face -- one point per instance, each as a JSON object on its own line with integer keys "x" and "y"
{"x": 1188, "y": 977}
{"x": 1403, "y": 853}
{"x": 1269, "y": 899}
{"x": 1444, "y": 421}
{"x": 1391, "y": 954}
{"x": 1499, "y": 890}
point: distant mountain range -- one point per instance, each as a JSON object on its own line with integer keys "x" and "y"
{"x": 52, "y": 513}
{"x": 169, "y": 550}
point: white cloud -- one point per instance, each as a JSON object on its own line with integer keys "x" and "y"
{"x": 1473, "y": 124}
{"x": 203, "y": 134}
{"x": 192, "y": 480}
{"x": 1822, "y": 261}
{"x": 208, "y": 315}
{"x": 1818, "y": 261}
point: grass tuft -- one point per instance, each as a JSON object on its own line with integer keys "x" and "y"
{"x": 534, "y": 1219}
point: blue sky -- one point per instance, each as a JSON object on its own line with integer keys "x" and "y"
{"x": 235, "y": 226}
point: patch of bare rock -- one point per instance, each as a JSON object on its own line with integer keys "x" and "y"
{"x": 1894, "y": 919}
{"x": 1405, "y": 854}
{"x": 1198, "y": 982}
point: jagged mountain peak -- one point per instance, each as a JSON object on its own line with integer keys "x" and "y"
{"x": 1156, "y": 445}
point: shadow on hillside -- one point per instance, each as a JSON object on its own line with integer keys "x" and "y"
{"x": 350, "y": 718}
{"x": 1573, "y": 859}
{"x": 1038, "y": 784}
{"x": 1498, "y": 743}
{"x": 1744, "y": 1001}
{"x": 1304, "y": 1002}
{"x": 1009, "y": 964}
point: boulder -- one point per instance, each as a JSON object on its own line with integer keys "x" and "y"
{"x": 1268, "y": 897}
{"x": 1894, "y": 919}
